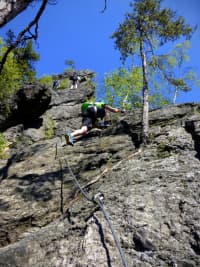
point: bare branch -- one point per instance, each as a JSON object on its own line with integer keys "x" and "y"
{"x": 22, "y": 38}
{"x": 105, "y": 6}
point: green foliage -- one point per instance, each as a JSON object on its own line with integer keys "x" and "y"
{"x": 145, "y": 27}
{"x": 25, "y": 57}
{"x": 91, "y": 99}
{"x": 150, "y": 24}
{"x": 157, "y": 99}
{"x": 10, "y": 78}
{"x": 169, "y": 69}
{"x": 17, "y": 69}
{"x": 49, "y": 128}
{"x": 46, "y": 80}
{"x": 123, "y": 88}
{"x": 2, "y": 145}
{"x": 64, "y": 83}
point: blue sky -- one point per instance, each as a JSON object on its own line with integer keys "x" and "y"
{"x": 77, "y": 30}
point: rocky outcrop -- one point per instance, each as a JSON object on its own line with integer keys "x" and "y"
{"x": 27, "y": 105}
{"x": 151, "y": 194}
{"x": 32, "y": 100}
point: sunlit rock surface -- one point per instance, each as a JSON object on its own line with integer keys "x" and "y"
{"x": 151, "y": 194}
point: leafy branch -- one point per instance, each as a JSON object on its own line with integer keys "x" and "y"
{"x": 22, "y": 37}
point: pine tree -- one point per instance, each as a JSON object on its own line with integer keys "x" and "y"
{"x": 25, "y": 57}
{"x": 146, "y": 25}
{"x": 10, "y": 77}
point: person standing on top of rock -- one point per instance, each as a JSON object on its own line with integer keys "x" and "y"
{"x": 74, "y": 78}
{"x": 55, "y": 85}
{"x": 90, "y": 113}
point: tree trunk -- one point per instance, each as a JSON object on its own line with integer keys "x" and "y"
{"x": 145, "y": 113}
{"x": 175, "y": 96}
{"x": 10, "y": 9}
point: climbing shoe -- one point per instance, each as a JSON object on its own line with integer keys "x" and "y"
{"x": 69, "y": 139}
{"x": 104, "y": 124}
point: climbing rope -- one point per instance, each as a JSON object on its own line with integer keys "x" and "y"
{"x": 98, "y": 199}
{"x": 77, "y": 182}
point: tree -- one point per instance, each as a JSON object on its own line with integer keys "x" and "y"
{"x": 146, "y": 25}
{"x": 25, "y": 58}
{"x": 170, "y": 69}
{"x": 26, "y": 34}
{"x": 18, "y": 69}
{"x": 10, "y": 77}
{"x": 70, "y": 64}
{"x": 10, "y": 9}
{"x": 46, "y": 80}
{"x": 123, "y": 88}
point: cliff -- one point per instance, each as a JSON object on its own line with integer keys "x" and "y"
{"x": 150, "y": 194}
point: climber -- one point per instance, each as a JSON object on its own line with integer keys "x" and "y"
{"x": 55, "y": 85}
{"x": 75, "y": 78}
{"x": 90, "y": 113}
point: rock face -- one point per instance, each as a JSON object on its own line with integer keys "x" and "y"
{"x": 29, "y": 103}
{"x": 150, "y": 194}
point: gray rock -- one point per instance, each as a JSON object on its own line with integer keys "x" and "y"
{"x": 27, "y": 105}
{"x": 151, "y": 194}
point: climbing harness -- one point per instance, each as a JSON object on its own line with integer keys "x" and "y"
{"x": 97, "y": 199}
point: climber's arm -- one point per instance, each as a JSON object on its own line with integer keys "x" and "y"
{"x": 115, "y": 110}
